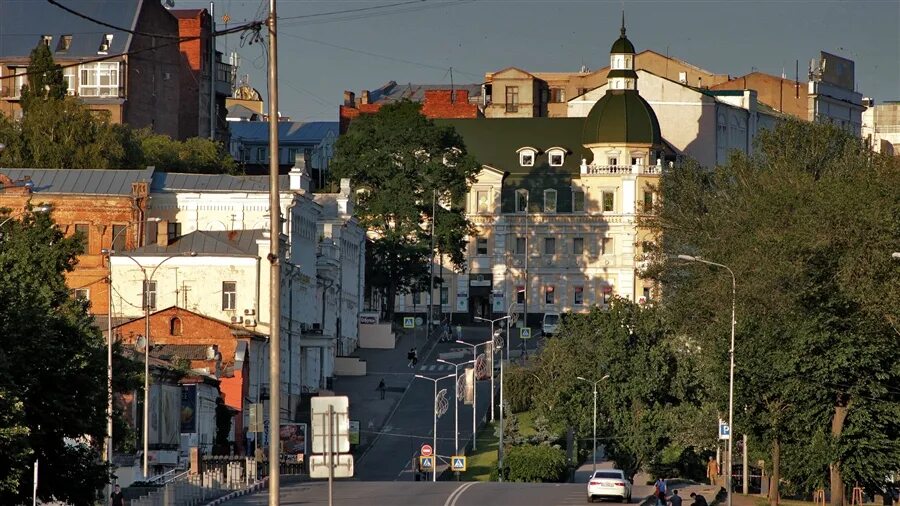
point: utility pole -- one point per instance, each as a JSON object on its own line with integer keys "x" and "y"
{"x": 431, "y": 259}
{"x": 274, "y": 271}
{"x": 525, "y": 299}
{"x": 212, "y": 71}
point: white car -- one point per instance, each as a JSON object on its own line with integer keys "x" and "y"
{"x": 609, "y": 483}
{"x": 550, "y": 324}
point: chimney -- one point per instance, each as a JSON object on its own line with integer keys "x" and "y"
{"x": 344, "y": 202}
{"x": 299, "y": 175}
{"x": 349, "y": 98}
{"x": 162, "y": 233}
{"x": 364, "y": 97}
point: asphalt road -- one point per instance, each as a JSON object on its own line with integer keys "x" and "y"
{"x": 442, "y": 493}
{"x": 392, "y": 455}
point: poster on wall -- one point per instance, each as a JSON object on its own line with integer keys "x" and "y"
{"x": 499, "y": 302}
{"x": 293, "y": 440}
{"x": 188, "y": 408}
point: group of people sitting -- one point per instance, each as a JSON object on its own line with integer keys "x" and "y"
{"x": 662, "y": 499}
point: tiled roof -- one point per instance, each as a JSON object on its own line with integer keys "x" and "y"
{"x": 23, "y": 22}
{"x": 174, "y": 181}
{"x": 226, "y": 242}
{"x": 289, "y": 132}
{"x": 81, "y": 181}
{"x": 185, "y": 351}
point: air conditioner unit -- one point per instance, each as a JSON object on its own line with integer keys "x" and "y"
{"x": 249, "y": 322}
{"x": 236, "y": 319}
{"x": 249, "y": 312}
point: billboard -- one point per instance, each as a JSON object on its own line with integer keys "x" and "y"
{"x": 188, "y": 408}
{"x": 837, "y": 70}
{"x": 469, "y": 398}
{"x": 293, "y": 439}
{"x": 165, "y": 415}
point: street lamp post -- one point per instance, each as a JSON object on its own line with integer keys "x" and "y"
{"x": 39, "y": 209}
{"x": 594, "y": 384}
{"x": 492, "y": 357}
{"x": 434, "y": 434}
{"x": 456, "y": 400}
{"x": 146, "y": 304}
{"x": 690, "y": 258}
{"x": 475, "y": 386}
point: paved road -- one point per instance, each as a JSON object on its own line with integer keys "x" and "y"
{"x": 391, "y": 455}
{"x": 427, "y": 494}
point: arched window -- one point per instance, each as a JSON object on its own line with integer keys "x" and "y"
{"x": 175, "y": 326}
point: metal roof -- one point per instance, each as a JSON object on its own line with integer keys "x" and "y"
{"x": 242, "y": 112}
{"x": 183, "y": 351}
{"x": 393, "y": 92}
{"x": 22, "y": 24}
{"x": 289, "y": 132}
{"x": 81, "y": 181}
{"x": 207, "y": 243}
{"x": 174, "y": 181}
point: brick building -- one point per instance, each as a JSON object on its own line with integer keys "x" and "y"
{"x": 136, "y": 83}
{"x": 107, "y": 206}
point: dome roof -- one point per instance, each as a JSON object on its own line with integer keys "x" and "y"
{"x": 621, "y": 116}
{"x": 622, "y": 45}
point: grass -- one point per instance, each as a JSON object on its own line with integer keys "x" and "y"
{"x": 482, "y": 462}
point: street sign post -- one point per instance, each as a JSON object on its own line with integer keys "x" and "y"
{"x": 426, "y": 450}
{"x": 409, "y": 322}
{"x": 724, "y": 430}
{"x": 330, "y": 417}
{"x": 458, "y": 463}
{"x": 318, "y": 466}
{"x": 524, "y": 332}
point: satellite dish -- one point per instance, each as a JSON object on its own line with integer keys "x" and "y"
{"x": 169, "y": 4}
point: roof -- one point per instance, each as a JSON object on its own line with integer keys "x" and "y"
{"x": 186, "y": 13}
{"x": 243, "y": 112}
{"x": 184, "y": 351}
{"x": 288, "y": 131}
{"x": 175, "y": 181}
{"x": 392, "y": 92}
{"x": 23, "y": 23}
{"x": 207, "y": 243}
{"x": 622, "y": 44}
{"x": 622, "y": 116}
{"x": 81, "y": 181}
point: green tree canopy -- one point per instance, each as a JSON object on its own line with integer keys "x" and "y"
{"x": 45, "y": 77}
{"x": 808, "y": 224}
{"x": 400, "y": 161}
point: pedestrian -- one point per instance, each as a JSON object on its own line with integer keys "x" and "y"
{"x": 411, "y": 356}
{"x": 117, "y": 497}
{"x": 712, "y": 470}
{"x": 660, "y": 491}
{"x": 415, "y": 357}
{"x": 699, "y": 500}
{"x": 675, "y": 500}
{"x": 381, "y": 388}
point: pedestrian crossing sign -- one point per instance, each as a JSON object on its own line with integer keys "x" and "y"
{"x": 409, "y": 322}
{"x": 458, "y": 463}
{"x": 525, "y": 333}
{"x": 426, "y": 463}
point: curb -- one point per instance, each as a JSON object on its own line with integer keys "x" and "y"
{"x": 238, "y": 493}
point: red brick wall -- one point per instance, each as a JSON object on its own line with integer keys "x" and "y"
{"x": 437, "y": 104}
{"x": 777, "y": 93}
{"x": 193, "y": 71}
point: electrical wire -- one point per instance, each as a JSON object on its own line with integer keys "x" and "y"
{"x": 367, "y": 16}
{"x": 108, "y": 25}
{"x": 346, "y": 11}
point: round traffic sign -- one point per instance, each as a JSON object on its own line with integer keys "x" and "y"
{"x": 426, "y": 450}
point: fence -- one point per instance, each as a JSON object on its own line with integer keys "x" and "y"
{"x": 188, "y": 489}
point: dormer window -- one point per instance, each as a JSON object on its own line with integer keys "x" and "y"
{"x": 526, "y": 156}
{"x": 65, "y": 42}
{"x": 105, "y": 44}
{"x": 556, "y": 156}
{"x": 46, "y": 40}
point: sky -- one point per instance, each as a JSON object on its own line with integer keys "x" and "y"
{"x": 321, "y": 55}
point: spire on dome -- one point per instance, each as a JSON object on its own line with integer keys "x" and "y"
{"x": 622, "y": 32}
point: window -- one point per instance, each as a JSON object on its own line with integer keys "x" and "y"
{"x": 581, "y": 91}
{"x": 481, "y": 246}
{"x": 81, "y": 294}
{"x": 578, "y": 299}
{"x": 578, "y": 246}
{"x": 99, "y": 79}
{"x": 69, "y": 78}
{"x": 549, "y": 201}
{"x": 481, "y": 199}
{"x": 445, "y": 295}
{"x": 512, "y": 99}
{"x": 607, "y": 245}
{"x": 557, "y": 158}
{"x": 47, "y": 40}
{"x": 118, "y": 237}
{"x": 417, "y": 298}
{"x": 557, "y": 95}
{"x": 20, "y": 80}
{"x": 522, "y": 201}
{"x": 175, "y": 326}
{"x": 612, "y": 161}
{"x": 173, "y": 231}
{"x": 550, "y": 295}
{"x": 520, "y": 245}
{"x": 549, "y": 245}
{"x": 84, "y": 231}
{"x": 646, "y": 294}
{"x": 229, "y": 295}
{"x": 292, "y": 155}
{"x": 607, "y": 294}
{"x": 608, "y": 202}
{"x": 65, "y": 42}
{"x": 520, "y": 294}
{"x": 261, "y": 154}
{"x": 150, "y": 295}
{"x": 648, "y": 201}
{"x": 526, "y": 158}
{"x": 577, "y": 201}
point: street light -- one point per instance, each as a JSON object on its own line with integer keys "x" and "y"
{"x": 594, "y": 383}
{"x": 40, "y": 209}
{"x": 475, "y": 386}
{"x": 146, "y": 303}
{"x": 456, "y": 404}
{"x": 895, "y": 255}
{"x": 434, "y": 435}
{"x": 492, "y": 357}
{"x": 690, "y": 258}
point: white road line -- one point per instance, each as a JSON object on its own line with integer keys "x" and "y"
{"x": 455, "y": 495}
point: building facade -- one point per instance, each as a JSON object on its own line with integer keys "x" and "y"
{"x": 249, "y": 146}
{"x": 881, "y": 127}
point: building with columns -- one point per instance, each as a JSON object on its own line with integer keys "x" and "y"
{"x": 556, "y": 206}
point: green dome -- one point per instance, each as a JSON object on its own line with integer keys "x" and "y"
{"x": 622, "y": 45}
{"x": 623, "y": 117}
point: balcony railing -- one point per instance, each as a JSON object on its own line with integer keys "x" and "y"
{"x": 594, "y": 170}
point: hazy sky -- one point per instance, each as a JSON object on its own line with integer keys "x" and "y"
{"x": 321, "y": 56}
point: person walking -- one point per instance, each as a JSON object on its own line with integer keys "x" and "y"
{"x": 382, "y": 388}
{"x": 660, "y": 491}
{"x": 411, "y": 356}
{"x": 712, "y": 471}
{"x": 117, "y": 497}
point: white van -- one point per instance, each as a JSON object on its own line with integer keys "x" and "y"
{"x": 551, "y": 322}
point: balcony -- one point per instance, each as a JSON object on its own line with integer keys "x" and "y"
{"x": 224, "y": 78}
{"x": 601, "y": 170}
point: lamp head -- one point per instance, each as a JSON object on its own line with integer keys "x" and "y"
{"x": 895, "y": 255}
{"x": 689, "y": 258}
{"x": 154, "y": 219}
{"x": 43, "y": 208}
{"x": 582, "y": 379}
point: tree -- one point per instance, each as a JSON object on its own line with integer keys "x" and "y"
{"x": 45, "y": 78}
{"x": 807, "y": 224}
{"x": 400, "y": 160}
{"x": 52, "y": 369}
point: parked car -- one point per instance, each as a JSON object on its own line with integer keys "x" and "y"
{"x": 609, "y": 483}
{"x": 550, "y": 324}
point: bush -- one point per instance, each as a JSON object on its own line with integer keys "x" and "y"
{"x": 536, "y": 464}
{"x": 519, "y": 389}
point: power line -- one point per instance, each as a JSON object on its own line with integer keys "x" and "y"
{"x": 347, "y": 11}
{"x": 108, "y": 25}
{"x": 355, "y": 16}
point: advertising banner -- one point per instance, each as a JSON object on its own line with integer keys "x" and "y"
{"x": 188, "y": 408}
{"x": 469, "y": 398}
{"x": 293, "y": 439}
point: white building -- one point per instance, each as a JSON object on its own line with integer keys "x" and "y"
{"x": 881, "y": 127}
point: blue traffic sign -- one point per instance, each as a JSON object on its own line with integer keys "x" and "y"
{"x": 426, "y": 463}
{"x": 458, "y": 463}
{"x": 724, "y": 430}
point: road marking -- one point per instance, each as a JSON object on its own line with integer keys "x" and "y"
{"x": 455, "y": 495}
